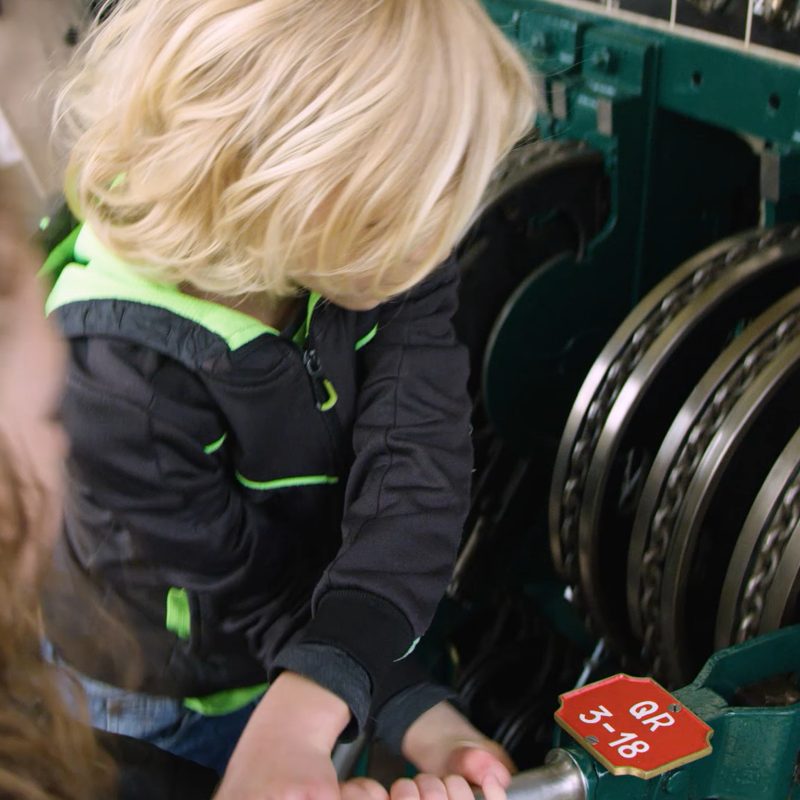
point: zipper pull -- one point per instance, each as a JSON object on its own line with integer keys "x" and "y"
{"x": 314, "y": 370}
{"x": 312, "y": 364}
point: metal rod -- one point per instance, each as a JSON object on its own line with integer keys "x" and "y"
{"x": 597, "y": 656}
{"x": 345, "y": 756}
{"x": 559, "y": 779}
{"x": 748, "y": 31}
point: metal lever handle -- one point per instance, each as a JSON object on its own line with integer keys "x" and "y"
{"x": 559, "y": 779}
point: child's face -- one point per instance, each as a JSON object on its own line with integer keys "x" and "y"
{"x": 32, "y": 366}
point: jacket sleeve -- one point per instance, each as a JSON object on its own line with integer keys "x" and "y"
{"x": 408, "y": 490}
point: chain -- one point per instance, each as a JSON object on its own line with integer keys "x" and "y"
{"x": 782, "y": 524}
{"x": 673, "y": 489}
{"x": 628, "y": 358}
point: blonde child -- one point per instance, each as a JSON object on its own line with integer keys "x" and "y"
{"x": 267, "y": 404}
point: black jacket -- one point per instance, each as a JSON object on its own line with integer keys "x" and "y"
{"x": 306, "y": 500}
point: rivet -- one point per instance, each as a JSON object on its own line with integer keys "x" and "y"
{"x": 603, "y": 60}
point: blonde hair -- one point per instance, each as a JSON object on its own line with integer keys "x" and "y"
{"x": 243, "y": 145}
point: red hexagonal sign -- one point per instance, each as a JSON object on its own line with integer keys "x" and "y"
{"x": 633, "y": 726}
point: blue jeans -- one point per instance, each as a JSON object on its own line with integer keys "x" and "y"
{"x": 162, "y": 721}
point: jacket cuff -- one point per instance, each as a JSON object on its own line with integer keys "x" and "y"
{"x": 335, "y": 671}
{"x": 403, "y": 675}
{"x": 370, "y": 630}
{"x": 398, "y": 714}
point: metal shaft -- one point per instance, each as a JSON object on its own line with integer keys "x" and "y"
{"x": 559, "y": 779}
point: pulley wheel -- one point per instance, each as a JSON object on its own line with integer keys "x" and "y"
{"x": 760, "y": 551}
{"x": 645, "y": 405}
{"x": 548, "y": 196}
{"x": 679, "y": 458}
{"x": 614, "y": 365}
{"x": 508, "y": 389}
{"x": 644, "y": 412}
{"x": 718, "y": 499}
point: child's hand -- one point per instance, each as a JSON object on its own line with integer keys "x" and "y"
{"x": 363, "y": 789}
{"x": 444, "y": 743}
{"x": 452, "y": 754}
{"x": 285, "y": 750}
{"x": 429, "y": 787}
{"x": 423, "y": 787}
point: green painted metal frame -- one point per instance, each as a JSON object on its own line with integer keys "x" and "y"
{"x": 683, "y": 123}
{"x": 554, "y": 37}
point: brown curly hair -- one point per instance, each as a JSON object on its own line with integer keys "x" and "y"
{"x": 47, "y": 750}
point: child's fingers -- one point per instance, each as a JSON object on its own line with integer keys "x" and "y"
{"x": 492, "y": 788}
{"x": 363, "y": 789}
{"x": 404, "y": 789}
{"x": 430, "y": 787}
{"x": 458, "y": 788}
{"x": 476, "y": 761}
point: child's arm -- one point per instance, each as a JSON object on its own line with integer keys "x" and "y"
{"x": 406, "y": 502}
{"x": 407, "y": 494}
{"x": 285, "y": 751}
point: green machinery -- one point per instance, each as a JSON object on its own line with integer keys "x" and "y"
{"x": 755, "y": 745}
{"x": 631, "y": 300}
{"x": 699, "y": 136}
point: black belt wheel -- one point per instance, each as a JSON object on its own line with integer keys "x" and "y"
{"x": 762, "y": 550}
{"x": 550, "y": 196}
{"x": 628, "y": 402}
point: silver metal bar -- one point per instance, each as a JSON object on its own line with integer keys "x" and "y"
{"x": 345, "y": 756}
{"x": 559, "y": 779}
{"x": 597, "y": 656}
{"x": 748, "y": 31}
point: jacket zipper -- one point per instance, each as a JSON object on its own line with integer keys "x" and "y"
{"x": 321, "y": 394}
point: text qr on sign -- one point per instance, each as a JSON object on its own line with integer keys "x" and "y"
{"x": 633, "y": 727}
